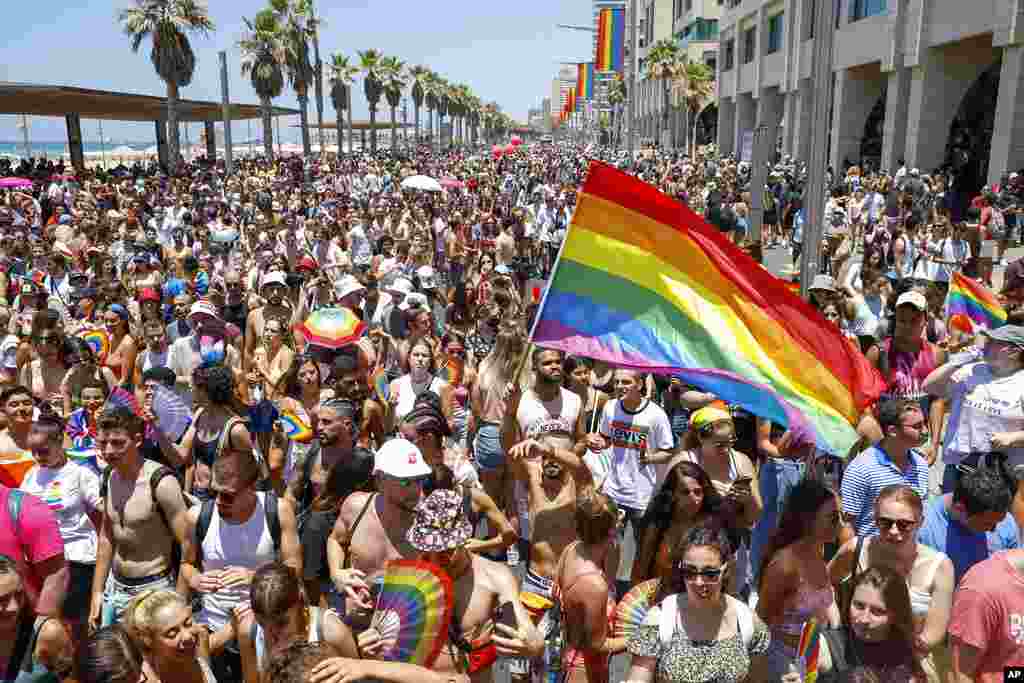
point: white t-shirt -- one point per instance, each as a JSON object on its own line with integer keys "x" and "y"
{"x": 69, "y": 491}
{"x": 631, "y": 434}
{"x": 980, "y": 406}
{"x": 536, "y": 418}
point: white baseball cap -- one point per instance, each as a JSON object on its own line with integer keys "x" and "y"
{"x": 347, "y": 285}
{"x": 399, "y": 288}
{"x": 274, "y": 278}
{"x": 915, "y": 299}
{"x": 401, "y": 459}
{"x": 427, "y": 277}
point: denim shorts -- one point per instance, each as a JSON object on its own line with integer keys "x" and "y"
{"x": 487, "y": 447}
{"x": 120, "y": 591}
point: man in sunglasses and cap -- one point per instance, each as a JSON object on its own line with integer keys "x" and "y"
{"x": 485, "y": 591}
{"x": 274, "y": 290}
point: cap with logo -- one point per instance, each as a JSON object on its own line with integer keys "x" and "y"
{"x": 400, "y": 458}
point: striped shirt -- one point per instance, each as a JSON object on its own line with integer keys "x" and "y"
{"x": 868, "y": 474}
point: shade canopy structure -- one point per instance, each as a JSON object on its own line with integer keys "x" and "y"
{"x": 357, "y": 125}
{"x": 61, "y": 100}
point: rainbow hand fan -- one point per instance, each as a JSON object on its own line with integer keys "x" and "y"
{"x": 122, "y": 398}
{"x": 452, "y": 370}
{"x": 89, "y": 457}
{"x": 634, "y": 606}
{"x": 294, "y": 427}
{"x": 14, "y": 465}
{"x": 808, "y": 649}
{"x": 413, "y": 611}
{"x": 99, "y": 342}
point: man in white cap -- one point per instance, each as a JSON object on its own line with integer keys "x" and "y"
{"x": 273, "y": 291}
{"x": 435, "y": 300}
{"x": 372, "y": 527}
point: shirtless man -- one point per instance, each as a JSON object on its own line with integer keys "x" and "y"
{"x": 546, "y": 422}
{"x": 137, "y": 533}
{"x": 371, "y": 528}
{"x": 481, "y": 588}
{"x": 273, "y": 290}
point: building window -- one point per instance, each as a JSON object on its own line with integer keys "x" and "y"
{"x": 730, "y": 54}
{"x": 749, "y": 45}
{"x": 860, "y": 9}
{"x": 774, "y": 33}
{"x": 711, "y": 60}
{"x": 689, "y": 5}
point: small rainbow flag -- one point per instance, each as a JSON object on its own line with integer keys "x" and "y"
{"x": 700, "y": 309}
{"x": 452, "y": 370}
{"x": 970, "y": 299}
{"x": 294, "y": 427}
{"x": 611, "y": 39}
{"x": 380, "y": 385}
{"x": 808, "y": 649}
{"x": 89, "y": 457}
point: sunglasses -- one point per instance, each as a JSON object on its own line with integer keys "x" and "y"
{"x": 904, "y": 525}
{"x": 406, "y": 483}
{"x": 707, "y": 573}
{"x": 45, "y": 339}
{"x": 723, "y": 443}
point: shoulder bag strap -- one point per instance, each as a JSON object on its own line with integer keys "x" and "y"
{"x": 270, "y": 510}
{"x": 352, "y": 531}
{"x": 30, "y": 652}
{"x": 202, "y": 528}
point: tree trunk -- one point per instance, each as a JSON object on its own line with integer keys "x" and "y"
{"x": 373, "y": 128}
{"x": 173, "y": 134}
{"x": 430, "y": 127}
{"x": 268, "y": 128}
{"x": 348, "y": 113}
{"x": 304, "y": 119}
{"x": 416, "y": 115}
{"x": 394, "y": 131}
{"x": 340, "y": 124}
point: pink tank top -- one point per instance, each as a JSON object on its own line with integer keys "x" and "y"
{"x": 905, "y": 371}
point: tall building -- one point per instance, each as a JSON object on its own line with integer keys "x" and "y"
{"x": 695, "y": 23}
{"x": 654, "y": 23}
{"x": 931, "y": 82}
{"x": 545, "y": 112}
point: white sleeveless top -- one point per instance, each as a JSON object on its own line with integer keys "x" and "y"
{"x": 407, "y": 397}
{"x": 249, "y": 545}
{"x": 535, "y": 418}
{"x": 316, "y": 625}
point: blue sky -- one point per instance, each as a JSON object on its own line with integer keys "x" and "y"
{"x": 505, "y": 51}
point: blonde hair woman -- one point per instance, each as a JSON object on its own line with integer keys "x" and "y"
{"x": 160, "y": 623}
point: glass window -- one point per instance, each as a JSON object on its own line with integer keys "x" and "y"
{"x": 774, "y": 33}
{"x": 730, "y": 54}
{"x": 859, "y": 9}
{"x": 749, "y": 45}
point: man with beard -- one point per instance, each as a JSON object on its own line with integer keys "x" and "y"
{"x": 273, "y": 290}
{"x": 372, "y": 527}
{"x": 481, "y": 588}
{"x": 236, "y": 310}
{"x": 333, "y": 469}
{"x": 349, "y": 382}
{"x": 550, "y": 419}
{"x": 179, "y": 327}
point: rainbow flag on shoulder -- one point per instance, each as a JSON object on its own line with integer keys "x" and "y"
{"x": 971, "y": 306}
{"x": 643, "y": 282}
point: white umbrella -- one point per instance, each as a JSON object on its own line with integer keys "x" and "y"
{"x": 421, "y": 182}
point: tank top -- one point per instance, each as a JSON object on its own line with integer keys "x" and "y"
{"x": 905, "y": 372}
{"x": 535, "y": 418}
{"x": 920, "y": 594}
{"x": 407, "y": 397}
{"x": 314, "y": 634}
{"x": 248, "y": 545}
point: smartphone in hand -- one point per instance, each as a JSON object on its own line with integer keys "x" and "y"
{"x": 507, "y": 615}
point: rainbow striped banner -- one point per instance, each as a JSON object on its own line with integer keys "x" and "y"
{"x": 611, "y": 39}
{"x": 585, "y": 80}
{"x": 643, "y": 282}
{"x": 572, "y": 100}
{"x": 971, "y": 305}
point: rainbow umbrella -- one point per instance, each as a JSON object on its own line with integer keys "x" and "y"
{"x": 9, "y": 183}
{"x": 332, "y": 328}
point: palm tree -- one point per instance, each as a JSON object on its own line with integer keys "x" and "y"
{"x": 261, "y": 62}
{"x": 166, "y": 22}
{"x": 394, "y": 83}
{"x": 343, "y": 75}
{"x": 695, "y": 85}
{"x": 443, "y": 102}
{"x": 295, "y": 19}
{"x": 418, "y": 76}
{"x": 662, "y": 64}
{"x": 433, "y": 92}
{"x": 370, "y": 63}
{"x": 616, "y": 98}
{"x": 474, "y": 118}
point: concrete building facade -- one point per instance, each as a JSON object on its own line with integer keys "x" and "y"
{"x": 930, "y": 82}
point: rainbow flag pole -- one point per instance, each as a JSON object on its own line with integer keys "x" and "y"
{"x": 642, "y": 282}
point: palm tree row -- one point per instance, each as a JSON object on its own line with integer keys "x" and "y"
{"x": 276, "y": 48}
{"x": 692, "y": 83}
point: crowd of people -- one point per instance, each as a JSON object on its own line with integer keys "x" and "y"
{"x": 248, "y": 541}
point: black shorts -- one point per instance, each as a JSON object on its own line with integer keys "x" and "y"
{"x": 76, "y": 601}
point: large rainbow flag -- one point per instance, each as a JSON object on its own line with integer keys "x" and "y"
{"x": 643, "y": 282}
{"x": 611, "y": 39}
{"x": 585, "y": 81}
{"x": 969, "y": 300}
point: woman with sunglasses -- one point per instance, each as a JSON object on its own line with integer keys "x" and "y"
{"x": 794, "y": 583}
{"x": 300, "y": 391}
{"x": 877, "y": 641}
{"x": 699, "y": 633}
{"x": 687, "y": 499}
{"x": 278, "y": 615}
{"x": 44, "y": 375}
{"x": 271, "y": 359}
{"x": 928, "y": 573}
